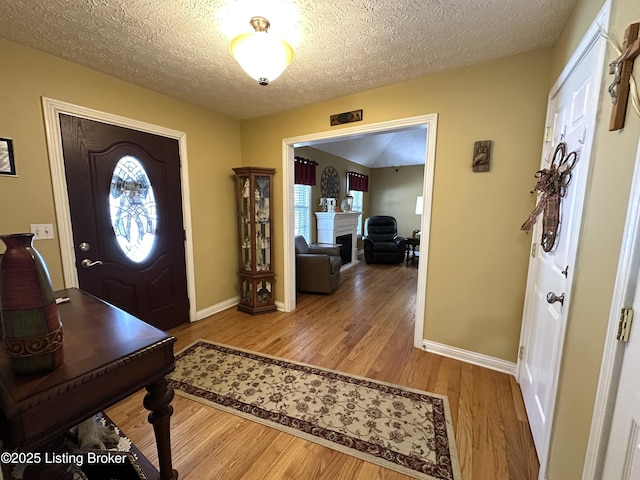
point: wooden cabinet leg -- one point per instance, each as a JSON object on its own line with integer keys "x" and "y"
{"x": 158, "y": 402}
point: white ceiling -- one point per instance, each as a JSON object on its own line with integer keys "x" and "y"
{"x": 380, "y": 150}
{"x": 180, "y": 47}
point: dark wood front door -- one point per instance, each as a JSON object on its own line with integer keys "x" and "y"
{"x": 126, "y": 212}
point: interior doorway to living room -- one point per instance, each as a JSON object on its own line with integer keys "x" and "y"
{"x": 428, "y": 125}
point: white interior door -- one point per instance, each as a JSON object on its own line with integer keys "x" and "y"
{"x": 570, "y": 118}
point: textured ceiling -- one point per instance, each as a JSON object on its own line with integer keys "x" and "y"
{"x": 180, "y": 47}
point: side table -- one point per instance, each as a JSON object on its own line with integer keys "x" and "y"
{"x": 108, "y": 355}
{"x": 412, "y": 243}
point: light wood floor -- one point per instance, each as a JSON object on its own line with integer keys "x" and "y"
{"x": 364, "y": 328}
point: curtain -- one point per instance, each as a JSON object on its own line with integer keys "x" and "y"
{"x": 305, "y": 171}
{"x": 358, "y": 181}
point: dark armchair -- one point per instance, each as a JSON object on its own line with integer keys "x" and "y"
{"x": 317, "y": 267}
{"x": 382, "y": 243}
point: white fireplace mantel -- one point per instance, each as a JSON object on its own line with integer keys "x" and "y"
{"x": 335, "y": 224}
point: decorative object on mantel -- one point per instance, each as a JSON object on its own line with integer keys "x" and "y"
{"x": 7, "y": 162}
{"x": 481, "y": 156}
{"x": 330, "y": 183}
{"x": 331, "y": 204}
{"x": 32, "y": 329}
{"x": 622, "y": 68}
{"x": 345, "y": 117}
{"x": 552, "y": 185}
{"x": 347, "y": 203}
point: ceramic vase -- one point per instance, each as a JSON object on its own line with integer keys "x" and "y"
{"x": 32, "y": 329}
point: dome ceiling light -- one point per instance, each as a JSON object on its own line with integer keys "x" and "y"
{"x": 263, "y": 56}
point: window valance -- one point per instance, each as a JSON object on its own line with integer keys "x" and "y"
{"x": 305, "y": 171}
{"x": 358, "y": 181}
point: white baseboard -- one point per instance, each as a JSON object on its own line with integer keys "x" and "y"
{"x": 218, "y": 307}
{"x": 349, "y": 265}
{"x": 470, "y": 357}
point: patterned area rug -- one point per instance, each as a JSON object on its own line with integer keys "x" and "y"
{"x": 405, "y": 430}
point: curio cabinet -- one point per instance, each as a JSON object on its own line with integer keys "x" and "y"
{"x": 255, "y": 252}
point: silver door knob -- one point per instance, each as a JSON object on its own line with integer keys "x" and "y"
{"x": 553, "y": 298}
{"x": 86, "y": 263}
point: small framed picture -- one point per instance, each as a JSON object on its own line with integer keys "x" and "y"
{"x": 7, "y": 163}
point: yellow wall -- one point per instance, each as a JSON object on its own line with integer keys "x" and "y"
{"x": 213, "y": 144}
{"x": 604, "y": 216}
{"x": 394, "y": 192}
{"x": 478, "y": 253}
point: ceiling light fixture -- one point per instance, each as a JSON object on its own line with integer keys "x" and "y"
{"x": 263, "y": 56}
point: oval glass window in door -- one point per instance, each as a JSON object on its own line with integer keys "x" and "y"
{"x": 132, "y": 208}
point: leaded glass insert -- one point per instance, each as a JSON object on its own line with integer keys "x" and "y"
{"x": 132, "y": 207}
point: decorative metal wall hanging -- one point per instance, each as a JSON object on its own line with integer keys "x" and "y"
{"x": 345, "y": 117}
{"x": 552, "y": 185}
{"x": 330, "y": 183}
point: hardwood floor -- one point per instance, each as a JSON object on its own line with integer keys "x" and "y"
{"x": 364, "y": 328}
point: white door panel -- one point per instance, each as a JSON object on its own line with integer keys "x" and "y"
{"x": 571, "y": 115}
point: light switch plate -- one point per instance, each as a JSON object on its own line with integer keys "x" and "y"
{"x": 42, "y": 231}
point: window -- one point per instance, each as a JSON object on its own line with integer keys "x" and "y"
{"x": 133, "y": 209}
{"x": 302, "y": 211}
{"x": 357, "y": 207}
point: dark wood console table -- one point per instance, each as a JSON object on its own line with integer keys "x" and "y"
{"x": 108, "y": 355}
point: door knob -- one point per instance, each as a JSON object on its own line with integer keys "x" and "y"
{"x": 86, "y": 263}
{"x": 553, "y": 298}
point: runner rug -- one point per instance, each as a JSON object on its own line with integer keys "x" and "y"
{"x": 405, "y": 430}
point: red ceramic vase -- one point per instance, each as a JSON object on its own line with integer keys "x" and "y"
{"x": 31, "y": 325}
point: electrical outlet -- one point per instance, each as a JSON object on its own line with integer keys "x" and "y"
{"x": 42, "y": 231}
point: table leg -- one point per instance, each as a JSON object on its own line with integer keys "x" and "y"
{"x": 158, "y": 402}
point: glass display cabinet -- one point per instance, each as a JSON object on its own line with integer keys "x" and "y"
{"x": 253, "y": 191}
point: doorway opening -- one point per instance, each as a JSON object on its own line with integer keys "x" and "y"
{"x": 429, "y": 123}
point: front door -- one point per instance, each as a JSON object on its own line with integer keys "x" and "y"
{"x": 570, "y": 116}
{"x": 126, "y": 212}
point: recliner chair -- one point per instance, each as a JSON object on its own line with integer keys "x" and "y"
{"x": 382, "y": 243}
{"x": 317, "y": 267}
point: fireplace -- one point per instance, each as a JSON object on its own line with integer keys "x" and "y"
{"x": 345, "y": 247}
{"x": 340, "y": 227}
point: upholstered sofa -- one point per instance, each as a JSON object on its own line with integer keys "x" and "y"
{"x": 317, "y": 267}
{"x": 381, "y": 242}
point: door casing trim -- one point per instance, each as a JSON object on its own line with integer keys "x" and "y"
{"x": 52, "y": 109}
{"x": 613, "y": 353}
{"x": 430, "y": 121}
